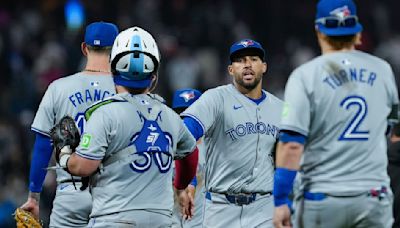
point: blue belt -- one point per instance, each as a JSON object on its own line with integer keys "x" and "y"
{"x": 318, "y": 196}
{"x": 239, "y": 199}
{"x": 379, "y": 193}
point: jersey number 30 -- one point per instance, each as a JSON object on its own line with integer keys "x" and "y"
{"x": 352, "y": 131}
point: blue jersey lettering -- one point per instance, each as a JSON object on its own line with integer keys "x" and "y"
{"x": 88, "y": 96}
{"x": 249, "y": 128}
{"x": 342, "y": 77}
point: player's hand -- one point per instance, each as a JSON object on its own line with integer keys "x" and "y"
{"x": 186, "y": 204}
{"x": 282, "y": 217}
{"x": 32, "y": 204}
{"x": 191, "y": 190}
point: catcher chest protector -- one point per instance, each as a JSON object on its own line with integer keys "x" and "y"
{"x": 152, "y": 141}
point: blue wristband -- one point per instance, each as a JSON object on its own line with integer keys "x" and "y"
{"x": 283, "y": 185}
{"x": 194, "y": 181}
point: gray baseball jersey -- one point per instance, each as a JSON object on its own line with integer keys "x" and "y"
{"x": 71, "y": 96}
{"x": 341, "y": 102}
{"x": 141, "y": 136}
{"x": 239, "y": 136}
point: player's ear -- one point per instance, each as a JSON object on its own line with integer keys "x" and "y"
{"x": 265, "y": 67}
{"x": 358, "y": 39}
{"x": 154, "y": 82}
{"x": 84, "y": 48}
{"x": 230, "y": 70}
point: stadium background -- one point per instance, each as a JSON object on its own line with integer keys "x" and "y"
{"x": 40, "y": 42}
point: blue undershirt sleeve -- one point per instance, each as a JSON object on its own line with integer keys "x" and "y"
{"x": 292, "y": 136}
{"x": 42, "y": 151}
{"x": 194, "y": 127}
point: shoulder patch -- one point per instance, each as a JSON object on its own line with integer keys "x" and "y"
{"x": 85, "y": 142}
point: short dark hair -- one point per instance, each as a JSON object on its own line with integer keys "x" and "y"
{"x": 135, "y": 91}
{"x": 98, "y": 49}
{"x": 340, "y": 42}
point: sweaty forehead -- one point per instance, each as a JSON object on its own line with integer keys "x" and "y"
{"x": 246, "y": 52}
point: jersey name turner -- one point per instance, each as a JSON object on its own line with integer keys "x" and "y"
{"x": 335, "y": 80}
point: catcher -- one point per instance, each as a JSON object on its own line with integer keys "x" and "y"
{"x": 129, "y": 143}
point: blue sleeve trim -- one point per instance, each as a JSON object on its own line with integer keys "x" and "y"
{"x": 40, "y": 132}
{"x": 42, "y": 151}
{"x": 90, "y": 157}
{"x": 283, "y": 185}
{"x": 194, "y": 181}
{"x": 289, "y": 128}
{"x": 291, "y": 136}
{"x": 194, "y": 127}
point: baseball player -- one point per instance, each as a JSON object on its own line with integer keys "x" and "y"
{"x": 70, "y": 95}
{"x": 394, "y": 171}
{"x": 182, "y": 99}
{"x": 335, "y": 117}
{"x": 240, "y": 124}
{"x": 130, "y": 141}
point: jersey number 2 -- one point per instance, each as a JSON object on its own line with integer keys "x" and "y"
{"x": 352, "y": 131}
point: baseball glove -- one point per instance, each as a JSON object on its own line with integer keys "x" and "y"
{"x": 65, "y": 133}
{"x": 25, "y": 219}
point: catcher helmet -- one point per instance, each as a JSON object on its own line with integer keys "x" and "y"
{"x": 134, "y": 58}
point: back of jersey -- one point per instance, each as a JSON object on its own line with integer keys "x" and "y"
{"x": 71, "y": 96}
{"x": 137, "y": 138}
{"x": 341, "y": 102}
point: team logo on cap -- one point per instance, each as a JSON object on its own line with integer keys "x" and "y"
{"x": 187, "y": 95}
{"x": 341, "y": 12}
{"x": 246, "y": 43}
{"x": 96, "y": 42}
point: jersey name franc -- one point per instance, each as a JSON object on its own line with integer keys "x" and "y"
{"x": 89, "y": 95}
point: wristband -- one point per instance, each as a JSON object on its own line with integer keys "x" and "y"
{"x": 283, "y": 185}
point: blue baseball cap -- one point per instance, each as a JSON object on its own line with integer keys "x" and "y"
{"x": 337, "y": 18}
{"x": 101, "y": 34}
{"x": 250, "y": 46}
{"x": 183, "y": 98}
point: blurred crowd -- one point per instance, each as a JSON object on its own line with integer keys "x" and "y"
{"x": 37, "y": 46}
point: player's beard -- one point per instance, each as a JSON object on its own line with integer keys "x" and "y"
{"x": 248, "y": 85}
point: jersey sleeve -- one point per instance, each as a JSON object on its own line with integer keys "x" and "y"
{"x": 206, "y": 109}
{"x": 94, "y": 141}
{"x": 296, "y": 109}
{"x": 46, "y": 113}
{"x": 186, "y": 142}
{"x": 393, "y": 98}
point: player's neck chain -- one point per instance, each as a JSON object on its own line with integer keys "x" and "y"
{"x": 99, "y": 71}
